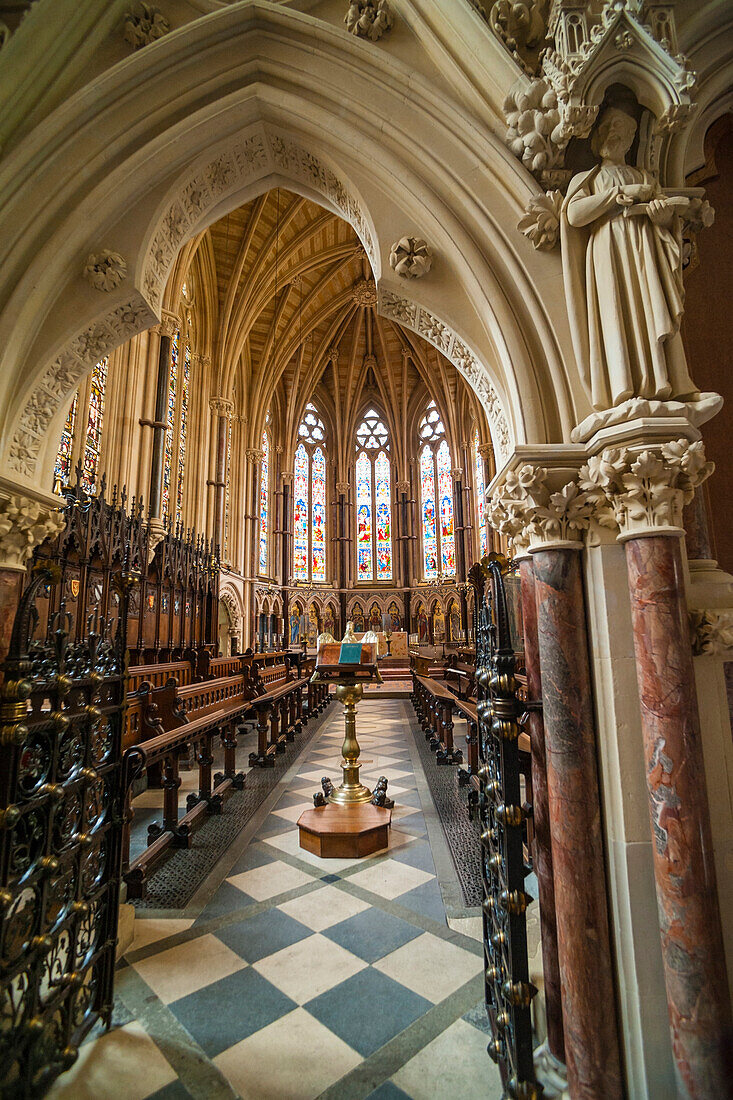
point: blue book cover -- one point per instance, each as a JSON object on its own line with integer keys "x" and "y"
{"x": 350, "y": 653}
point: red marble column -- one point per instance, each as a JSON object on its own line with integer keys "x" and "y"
{"x": 11, "y": 585}
{"x": 689, "y": 917}
{"x": 542, "y": 852}
{"x": 584, "y": 946}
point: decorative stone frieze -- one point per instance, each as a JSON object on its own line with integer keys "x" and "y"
{"x": 369, "y": 19}
{"x": 712, "y": 631}
{"x": 105, "y": 270}
{"x": 24, "y": 524}
{"x": 643, "y": 493}
{"x": 222, "y": 406}
{"x": 144, "y": 23}
{"x": 441, "y": 335}
{"x": 538, "y": 509}
{"x": 411, "y": 257}
{"x": 61, "y": 377}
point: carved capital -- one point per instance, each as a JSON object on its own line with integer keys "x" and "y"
{"x": 403, "y": 487}
{"x": 24, "y": 524}
{"x": 287, "y": 476}
{"x": 642, "y": 492}
{"x": 712, "y": 631}
{"x": 169, "y": 323}
{"x": 253, "y": 455}
{"x": 486, "y": 451}
{"x": 457, "y": 473}
{"x": 539, "y": 509}
{"x": 222, "y": 406}
{"x": 342, "y": 487}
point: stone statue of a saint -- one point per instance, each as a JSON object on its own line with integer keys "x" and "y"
{"x": 623, "y": 275}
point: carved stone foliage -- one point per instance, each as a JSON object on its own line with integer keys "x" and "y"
{"x": 643, "y": 493}
{"x": 441, "y": 336}
{"x": 554, "y": 99}
{"x": 364, "y": 291}
{"x": 712, "y": 631}
{"x": 62, "y": 376}
{"x": 533, "y": 512}
{"x": 105, "y": 270}
{"x": 369, "y": 19}
{"x": 221, "y": 406}
{"x": 24, "y": 524}
{"x": 411, "y": 257}
{"x": 541, "y": 223}
{"x": 144, "y": 23}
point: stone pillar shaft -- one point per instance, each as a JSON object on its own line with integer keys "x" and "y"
{"x": 691, "y": 934}
{"x": 159, "y": 427}
{"x": 542, "y": 854}
{"x": 588, "y": 997}
{"x": 220, "y": 481}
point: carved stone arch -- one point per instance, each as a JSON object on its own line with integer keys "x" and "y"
{"x": 229, "y": 597}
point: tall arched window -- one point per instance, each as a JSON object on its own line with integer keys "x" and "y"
{"x": 373, "y": 500}
{"x": 81, "y": 438}
{"x": 179, "y": 382}
{"x": 264, "y": 502}
{"x": 309, "y": 500}
{"x": 480, "y": 497}
{"x": 436, "y": 497}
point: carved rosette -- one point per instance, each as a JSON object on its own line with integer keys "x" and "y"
{"x": 24, "y": 524}
{"x": 364, "y": 292}
{"x": 642, "y": 493}
{"x": 144, "y": 23}
{"x": 411, "y": 257}
{"x": 105, "y": 270}
{"x": 712, "y": 631}
{"x": 539, "y": 509}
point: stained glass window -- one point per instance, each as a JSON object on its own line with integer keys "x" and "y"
{"x": 185, "y": 384}
{"x": 436, "y": 497}
{"x": 480, "y": 498}
{"x": 383, "y": 499}
{"x": 373, "y": 500}
{"x": 309, "y": 500}
{"x": 364, "y": 561}
{"x": 171, "y": 422}
{"x": 62, "y": 469}
{"x": 427, "y": 496}
{"x": 95, "y": 417}
{"x": 264, "y": 501}
{"x": 318, "y": 498}
{"x": 300, "y": 514}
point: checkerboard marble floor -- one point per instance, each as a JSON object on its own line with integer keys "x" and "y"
{"x": 290, "y": 977}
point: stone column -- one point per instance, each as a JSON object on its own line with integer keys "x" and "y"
{"x": 643, "y": 490}
{"x": 486, "y": 452}
{"x": 460, "y": 536}
{"x": 550, "y": 515}
{"x": 403, "y": 493}
{"x": 286, "y": 549}
{"x": 222, "y": 409}
{"x": 159, "y": 424}
{"x": 342, "y": 488}
{"x": 542, "y": 852}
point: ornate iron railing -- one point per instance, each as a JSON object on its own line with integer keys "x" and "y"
{"x": 509, "y": 992}
{"x": 62, "y": 781}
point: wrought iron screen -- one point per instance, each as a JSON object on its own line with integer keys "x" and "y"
{"x": 508, "y": 990}
{"x": 61, "y": 787}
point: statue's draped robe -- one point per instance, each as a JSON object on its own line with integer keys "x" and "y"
{"x": 623, "y": 285}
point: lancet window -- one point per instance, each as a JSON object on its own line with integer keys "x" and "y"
{"x": 264, "y": 502}
{"x": 436, "y": 497}
{"x": 480, "y": 497}
{"x": 373, "y": 500}
{"x": 309, "y": 500}
{"x": 81, "y": 438}
{"x": 174, "y": 455}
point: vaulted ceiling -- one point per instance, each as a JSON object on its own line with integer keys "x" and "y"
{"x": 289, "y": 306}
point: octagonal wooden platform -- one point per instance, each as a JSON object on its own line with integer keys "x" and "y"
{"x": 341, "y": 832}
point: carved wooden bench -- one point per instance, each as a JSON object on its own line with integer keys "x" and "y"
{"x": 434, "y": 704}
